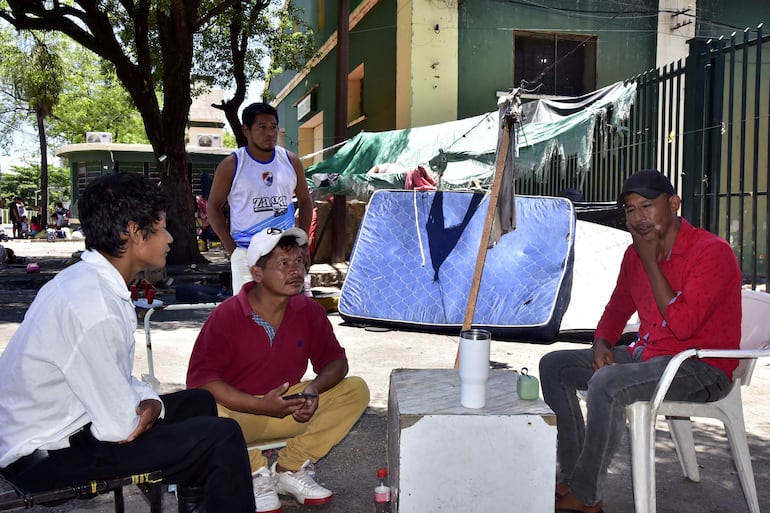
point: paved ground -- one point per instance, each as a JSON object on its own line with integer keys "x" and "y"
{"x": 350, "y": 469}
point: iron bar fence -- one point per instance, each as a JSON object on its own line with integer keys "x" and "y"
{"x": 704, "y": 123}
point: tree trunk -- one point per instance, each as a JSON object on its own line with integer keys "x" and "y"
{"x": 230, "y": 108}
{"x": 179, "y": 218}
{"x": 175, "y": 36}
{"x": 43, "y": 171}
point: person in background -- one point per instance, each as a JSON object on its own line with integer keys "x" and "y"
{"x": 24, "y": 227}
{"x": 34, "y": 226}
{"x": 15, "y": 213}
{"x": 258, "y": 182}
{"x": 61, "y": 215}
{"x": 252, "y": 354}
{"x": 685, "y": 284}
{"x": 71, "y": 411}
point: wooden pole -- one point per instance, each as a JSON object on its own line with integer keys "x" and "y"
{"x": 497, "y": 182}
{"x": 339, "y": 206}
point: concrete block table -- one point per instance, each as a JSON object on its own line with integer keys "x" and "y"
{"x": 445, "y": 457}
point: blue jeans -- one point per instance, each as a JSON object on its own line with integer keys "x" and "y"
{"x": 585, "y": 448}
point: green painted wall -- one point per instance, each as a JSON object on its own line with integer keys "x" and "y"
{"x": 721, "y": 18}
{"x": 373, "y": 43}
{"x": 625, "y": 47}
{"x": 321, "y": 16}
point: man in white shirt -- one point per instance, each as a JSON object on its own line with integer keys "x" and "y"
{"x": 70, "y": 410}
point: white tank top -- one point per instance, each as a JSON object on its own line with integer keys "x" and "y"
{"x": 261, "y": 194}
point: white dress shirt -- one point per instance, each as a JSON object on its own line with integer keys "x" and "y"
{"x": 70, "y": 363}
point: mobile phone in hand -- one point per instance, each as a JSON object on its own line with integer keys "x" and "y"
{"x": 300, "y": 395}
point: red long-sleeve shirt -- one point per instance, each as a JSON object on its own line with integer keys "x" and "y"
{"x": 705, "y": 314}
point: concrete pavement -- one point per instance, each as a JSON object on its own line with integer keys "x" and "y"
{"x": 350, "y": 469}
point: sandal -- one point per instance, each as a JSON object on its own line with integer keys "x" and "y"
{"x": 562, "y": 489}
{"x": 574, "y": 504}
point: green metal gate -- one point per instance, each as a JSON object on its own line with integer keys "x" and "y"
{"x": 727, "y": 146}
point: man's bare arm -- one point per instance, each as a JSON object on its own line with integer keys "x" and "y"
{"x": 220, "y": 189}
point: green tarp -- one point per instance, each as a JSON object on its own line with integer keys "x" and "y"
{"x": 462, "y": 152}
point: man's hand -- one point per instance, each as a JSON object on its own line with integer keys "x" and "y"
{"x": 309, "y": 405}
{"x": 647, "y": 245}
{"x": 602, "y": 354}
{"x": 148, "y": 411}
{"x": 229, "y": 247}
{"x": 274, "y": 405}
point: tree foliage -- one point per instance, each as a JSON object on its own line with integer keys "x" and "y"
{"x": 32, "y": 74}
{"x": 93, "y": 100}
{"x": 152, "y": 45}
{"x": 14, "y": 110}
{"x": 41, "y": 81}
{"x": 248, "y": 45}
{"x": 24, "y": 181}
{"x": 51, "y": 84}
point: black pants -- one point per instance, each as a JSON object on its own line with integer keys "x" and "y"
{"x": 191, "y": 445}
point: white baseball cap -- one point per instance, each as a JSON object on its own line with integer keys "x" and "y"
{"x": 265, "y": 241}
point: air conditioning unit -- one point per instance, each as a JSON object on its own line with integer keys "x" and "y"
{"x": 209, "y": 140}
{"x": 99, "y": 137}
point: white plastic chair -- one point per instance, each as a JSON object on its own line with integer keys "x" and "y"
{"x": 755, "y": 343}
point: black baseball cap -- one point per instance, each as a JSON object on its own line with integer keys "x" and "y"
{"x": 649, "y": 183}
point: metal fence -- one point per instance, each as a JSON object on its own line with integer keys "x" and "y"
{"x": 650, "y": 138}
{"x": 704, "y": 123}
{"x": 728, "y": 193}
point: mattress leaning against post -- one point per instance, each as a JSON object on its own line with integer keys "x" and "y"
{"x": 413, "y": 260}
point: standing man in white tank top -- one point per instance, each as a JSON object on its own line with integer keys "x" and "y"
{"x": 258, "y": 181}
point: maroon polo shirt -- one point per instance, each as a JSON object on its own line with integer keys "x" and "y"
{"x": 234, "y": 348}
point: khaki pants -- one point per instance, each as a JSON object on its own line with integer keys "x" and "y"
{"x": 338, "y": 409}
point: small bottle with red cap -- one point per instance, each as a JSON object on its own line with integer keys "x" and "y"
{"x": 382, "y": 492}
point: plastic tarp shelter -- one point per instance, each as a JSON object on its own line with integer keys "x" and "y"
{"x": 462, "y": 152}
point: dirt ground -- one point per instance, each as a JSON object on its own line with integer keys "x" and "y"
{"x": 350, "y": 469}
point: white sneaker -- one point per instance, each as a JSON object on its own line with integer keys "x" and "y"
{"x": 265, "y": 496}
{"x": 301, "y": 484}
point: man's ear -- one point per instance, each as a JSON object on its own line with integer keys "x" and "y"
{"x": 134, "y": 232}
{"x": 256, "y": 273}
{"x": 675, "y": 202}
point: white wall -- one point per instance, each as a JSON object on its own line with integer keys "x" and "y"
{"x": 674, "y": 30}
{"x": 426, "y": 74}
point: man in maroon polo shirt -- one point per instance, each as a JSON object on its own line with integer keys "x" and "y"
{"x": 252, "y": 354}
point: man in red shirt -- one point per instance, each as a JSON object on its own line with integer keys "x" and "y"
{"x": 685, "y": 284}
{"x": 252, "y": 353}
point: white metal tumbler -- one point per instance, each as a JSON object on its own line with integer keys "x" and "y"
{"x": 474, "y": 367}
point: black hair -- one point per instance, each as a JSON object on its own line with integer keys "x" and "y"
{"x": 250, "y": 113}
{"x": 286, "y": 242}
{"x": 110, "y": 202}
